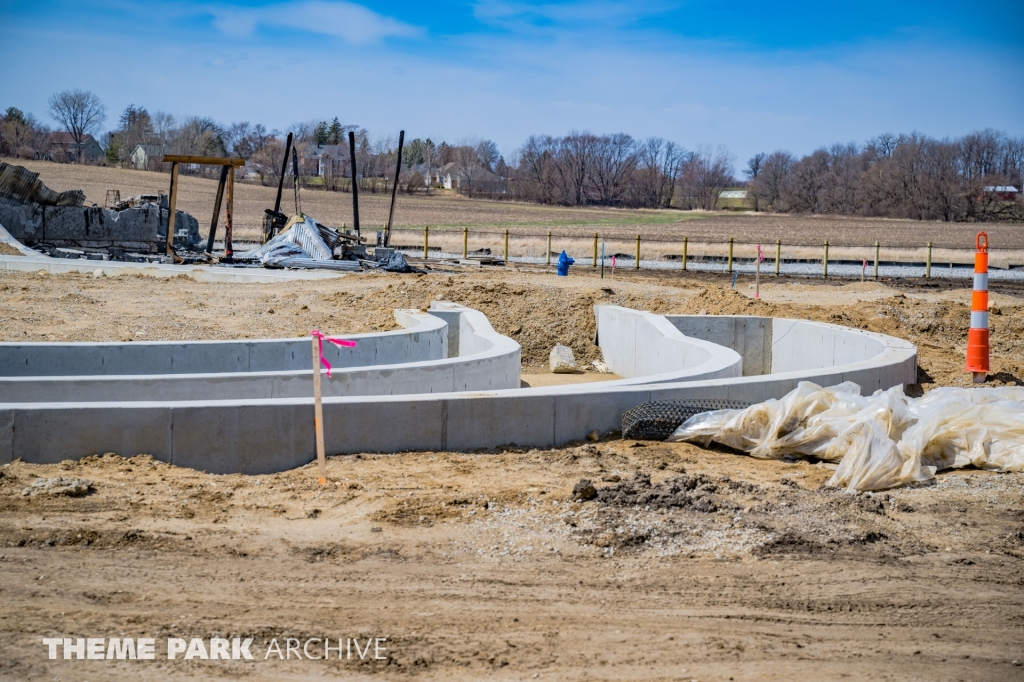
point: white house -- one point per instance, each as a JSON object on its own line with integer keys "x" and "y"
{"x": 146, "y": 154}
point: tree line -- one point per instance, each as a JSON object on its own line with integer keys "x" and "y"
{"x": 900, "y": 176}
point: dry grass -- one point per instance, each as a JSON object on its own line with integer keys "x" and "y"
{"x": 446, "y": 211}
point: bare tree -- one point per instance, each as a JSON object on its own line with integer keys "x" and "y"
{"x": 611, "y": 171}
{"x": 573, "y": 162}
{"x": 708, "y": 173}
{"x": 753, "y": 169}
{"x": 80, "y": 112}
{"x": 769, "y": 184}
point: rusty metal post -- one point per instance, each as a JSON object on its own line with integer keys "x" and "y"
{"x": 295, "y": 180}
{"x": 394, "y": 189}
{"x": 637, "y": 263}
{"x": 876, "y": 260}
{"x": 229, "y": 217}
{"x": 355, "y": 183}
{"x": 426, "y": 242}
{"x": 506, "y": 245}
{"x": 778, "y": 255}
{"x": 172, "y": 201}
{"x": 216, "y": 208}
{"x": 928, "y": 263}
{"x": 284, "y": 169}
{"x": 549, "y": 248}
{"x": 824, "y": 262}
{"x": 465, "y": 242}
{"x": 686, "y": 245}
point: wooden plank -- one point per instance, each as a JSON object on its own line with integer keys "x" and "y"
{"x": 208, "y": 160}
{"x": 216, "y": 207}
{"x": 171, "y": 208}
{"x": 229, "y": 219}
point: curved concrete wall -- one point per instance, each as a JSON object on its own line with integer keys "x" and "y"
{"x": 647, "y": 349}
{"x": 494, "y": 365}
{"x": 259, "y": 436}
{"x": 423, "y": 337}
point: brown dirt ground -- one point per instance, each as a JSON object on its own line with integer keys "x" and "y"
{"x": 448, "y": 210}
{"x": 482, "y": 566}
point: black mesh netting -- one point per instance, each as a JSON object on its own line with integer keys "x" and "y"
{"x": 658, "y": 420}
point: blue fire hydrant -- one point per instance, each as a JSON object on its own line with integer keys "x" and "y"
{"x": 564, "y": 261}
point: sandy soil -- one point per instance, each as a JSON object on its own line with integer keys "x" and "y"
{"x": 690, "y": 564}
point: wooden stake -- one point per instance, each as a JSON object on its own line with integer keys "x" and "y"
{"x": 318, "y": 413}
{"x": 757, "y": 274}
{"x": 465, "y": 242}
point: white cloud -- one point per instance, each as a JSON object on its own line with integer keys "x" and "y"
{"x": 351, "y": 22}
{"x": 518, "y": 15}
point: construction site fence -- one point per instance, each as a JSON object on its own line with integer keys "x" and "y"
{"x": 642, "y": 252}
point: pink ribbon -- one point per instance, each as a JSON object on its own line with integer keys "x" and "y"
{"x": 760, "y": 256}
{"x": 337, "y": 342}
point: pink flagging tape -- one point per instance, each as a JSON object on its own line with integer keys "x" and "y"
{"x": 337, "y": 342}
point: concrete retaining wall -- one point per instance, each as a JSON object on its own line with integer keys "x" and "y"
{"x": 749, "y": 336}
{"x": 423, "y": 337}
{"x": 259, "y": 436}
{"x": 414, "y": 360}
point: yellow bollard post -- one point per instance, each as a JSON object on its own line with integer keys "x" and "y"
{"x": 685, "y": 245}
{"x": 824, "y": 262}
{"x": 637, "y": 263}
{"x": 548, "y": 257}
{"x": 594, "y": 264}
{"x": 778, "y": 255}
{"x": 928, "y": 263}
{"x": 426, "y": 242}
{"x": 465, "y": 242}
{"x": 729, "y": 263}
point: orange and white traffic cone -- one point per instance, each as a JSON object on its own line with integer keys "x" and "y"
{"x": 977, "y": 335}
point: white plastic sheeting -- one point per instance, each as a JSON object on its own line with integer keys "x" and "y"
{"x": 880, "y": 441}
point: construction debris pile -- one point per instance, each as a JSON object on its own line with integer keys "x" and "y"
{"x": 58, "y": 224}
{"x": 303, "y": 243}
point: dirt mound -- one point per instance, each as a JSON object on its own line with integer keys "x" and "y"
{"x": 695, "y": 492}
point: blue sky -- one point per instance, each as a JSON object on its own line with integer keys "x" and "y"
{"x": 754, "y": 76}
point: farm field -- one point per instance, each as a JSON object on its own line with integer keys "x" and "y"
{"x": 447, "y": 211}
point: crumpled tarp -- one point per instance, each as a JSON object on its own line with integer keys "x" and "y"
{"x": 300, "y": 246}
{"x": 880, "y": 441}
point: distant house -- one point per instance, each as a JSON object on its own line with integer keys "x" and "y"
{"x": 1002, "y": 192}
{"x": 64, "y": 149}
{"x": 146, "y": 156}
{"x": 733, "y": 194}
{"x": 331, "y": 159}
{"x": 475, "y": 179}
